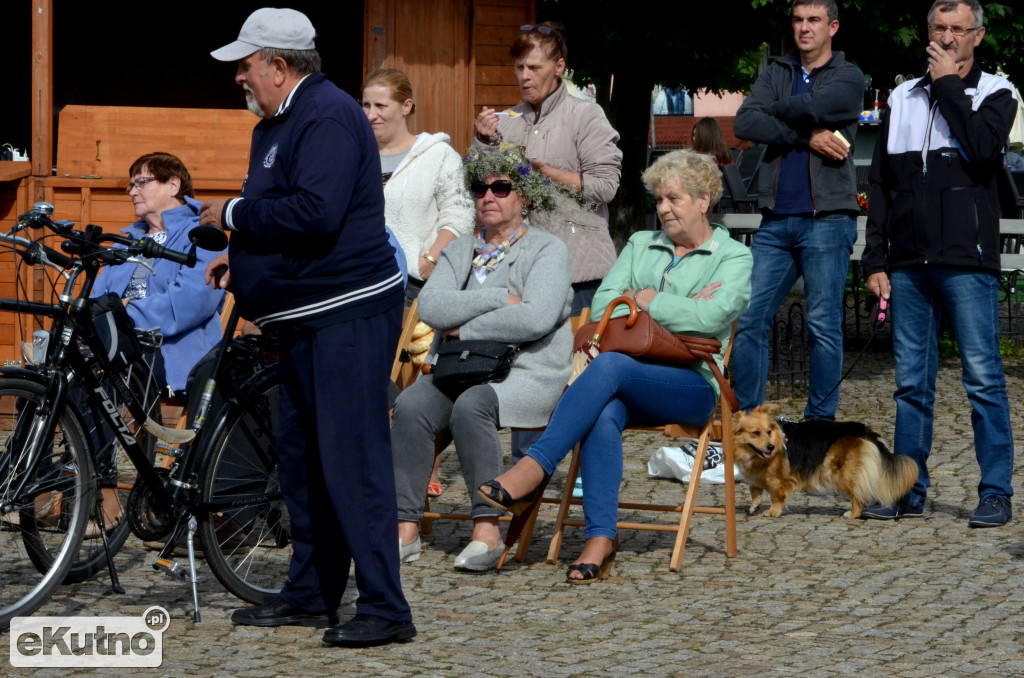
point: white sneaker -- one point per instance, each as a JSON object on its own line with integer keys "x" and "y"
{"x": 409, "y": 553}
{"x": 478, "y": 558}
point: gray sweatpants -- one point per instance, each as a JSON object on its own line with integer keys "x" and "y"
{"x": 421, "y": 414}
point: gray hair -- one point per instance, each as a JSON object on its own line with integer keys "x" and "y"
{"x": 696, "y": 173}
{"x": 300, "y": 61}
{"x": 831, "y": 7}
{"x": 977, "y": 13}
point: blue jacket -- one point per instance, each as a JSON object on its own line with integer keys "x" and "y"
{"x": 179, "y": 302}
{"x": 309, "y": 245}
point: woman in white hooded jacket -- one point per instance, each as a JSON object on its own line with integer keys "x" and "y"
{"x": 425, "y": 201}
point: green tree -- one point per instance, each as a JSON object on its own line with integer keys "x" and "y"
{"x": 718, "y": 46}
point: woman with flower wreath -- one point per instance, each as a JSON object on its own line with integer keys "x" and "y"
{"x": 507, "y": 282}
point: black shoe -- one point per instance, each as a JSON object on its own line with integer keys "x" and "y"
{"x": 908, "y": 507}
{"x": 498, "y": 497}
{"x": 880, "y": 512}
{"x": 992, "y": 511}
{"x": 365, "y": 630}
{"x": 280, "y": 613}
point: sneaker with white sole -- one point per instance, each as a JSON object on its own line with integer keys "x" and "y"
{"x": 409, "y": 553}
{"x": 478, "y": 558}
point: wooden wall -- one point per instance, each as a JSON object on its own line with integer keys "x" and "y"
{"x": 97, "y": 145}
{"x": 455, "y": 53}
{"x": 495, "y": 27}
{"x": 15, "y": 281}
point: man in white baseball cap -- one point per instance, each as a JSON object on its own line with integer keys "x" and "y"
{"x": 309, "y": 260}
{"x": 269, "y": 27}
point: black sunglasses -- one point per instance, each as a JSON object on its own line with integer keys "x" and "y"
{"x": 500, "y": 188}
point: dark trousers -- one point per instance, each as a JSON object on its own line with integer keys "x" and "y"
{"x": 334, "y": 464}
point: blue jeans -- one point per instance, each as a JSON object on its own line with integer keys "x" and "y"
{"x": 582, "y": 295}
{"x": 616, "y": 391}
{"x": 971, "y": 298}
{"x": 785, "y": 248}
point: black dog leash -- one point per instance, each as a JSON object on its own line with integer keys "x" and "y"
{"x": 879, "y": 314}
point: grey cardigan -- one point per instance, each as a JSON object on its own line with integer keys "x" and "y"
{"x": 573, "y": 135}
{"x": 535, "y": 268}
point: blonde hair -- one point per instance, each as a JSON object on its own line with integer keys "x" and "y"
{"x": 394, "y": 81}
{"x": 696, "y": 172}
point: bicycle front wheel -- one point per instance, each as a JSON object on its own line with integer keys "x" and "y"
{"x": 45, "y": 499}
{"x": 246, "y": 534}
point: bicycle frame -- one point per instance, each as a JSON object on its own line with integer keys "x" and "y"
{"x": 67, "y": 367}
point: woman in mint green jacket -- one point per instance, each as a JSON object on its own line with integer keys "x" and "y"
{"x": 693, "y": 279}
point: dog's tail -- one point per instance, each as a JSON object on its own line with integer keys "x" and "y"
{"x": 896, "y": 473}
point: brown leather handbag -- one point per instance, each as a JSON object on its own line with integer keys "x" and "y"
{"x": 639, "y": 336}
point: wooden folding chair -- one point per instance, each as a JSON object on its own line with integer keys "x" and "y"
{"x": 403, "y": 372}
{"x": 718, "y": 427}
{"x": 444, "y": 440}
{"x": 521, "y": 528}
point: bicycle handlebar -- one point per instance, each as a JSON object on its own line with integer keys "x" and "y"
{"x": 89, "y": 241}
{"x": 38, "y": 253}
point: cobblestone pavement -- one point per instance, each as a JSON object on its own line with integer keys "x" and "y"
{"x": 810, "y": 594}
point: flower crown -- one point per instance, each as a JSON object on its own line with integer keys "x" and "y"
{"x": 510, "y": 160}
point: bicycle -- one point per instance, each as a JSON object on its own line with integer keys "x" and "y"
{"x": 221, "y": 485}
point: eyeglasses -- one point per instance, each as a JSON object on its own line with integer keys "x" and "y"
{"x": 957, "y": 31}
{"x": 500, "y": 188}
{"x": 138, "y": 183}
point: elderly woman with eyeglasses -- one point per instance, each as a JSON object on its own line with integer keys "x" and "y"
{"x": 509, "y": 282}
{"x": 173, "y": 297}
{"x": 167, "y": 295}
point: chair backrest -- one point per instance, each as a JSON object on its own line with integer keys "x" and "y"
{"x": 749, "y": 163}
{"x": 578, "y": 321}
{"x": 734, "y": 192}
{"x": 402, "y": 371}
{"x": 225, "y": 313}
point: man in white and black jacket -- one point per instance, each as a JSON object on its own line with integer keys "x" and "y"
{"x": 310, "y": 260}
{"x": 933, "y": 243}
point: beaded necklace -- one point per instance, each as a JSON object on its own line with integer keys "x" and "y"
{"x": 489, "y": 255}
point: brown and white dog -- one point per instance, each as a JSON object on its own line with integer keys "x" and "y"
{"x": 817, "y": 456}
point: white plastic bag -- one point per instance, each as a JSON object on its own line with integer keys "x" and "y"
{"x": 677, "y": 462}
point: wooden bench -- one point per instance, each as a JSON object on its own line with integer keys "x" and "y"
{"x": 96, "y": 145}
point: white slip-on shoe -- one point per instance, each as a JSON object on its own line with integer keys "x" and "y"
{"x": 478, "y": 558}
{"x": 409, "y": 553}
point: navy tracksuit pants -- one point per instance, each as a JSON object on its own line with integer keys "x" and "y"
{"x": 335, "y": 468}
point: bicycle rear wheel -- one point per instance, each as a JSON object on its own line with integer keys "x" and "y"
{"x": 42, "y": 524}
{"x": 246, "y": 538}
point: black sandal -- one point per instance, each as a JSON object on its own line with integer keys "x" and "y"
{"x": 498, "y": 497}
{"x": 592, "y": 572}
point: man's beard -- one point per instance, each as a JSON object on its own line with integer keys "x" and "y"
{"x": 250, "y": 102}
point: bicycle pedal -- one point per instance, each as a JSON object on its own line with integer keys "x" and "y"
{"x": 167, "y": 449}
{"x": 170, "y": 567}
